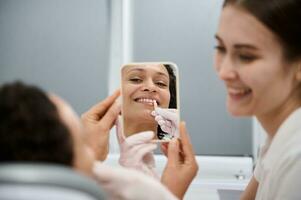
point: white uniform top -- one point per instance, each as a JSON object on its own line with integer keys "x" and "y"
{"x": 278, "y": 170}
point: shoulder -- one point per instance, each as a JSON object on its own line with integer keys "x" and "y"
{"x": 290, "y": 155}
{"x": 286, "y": 175}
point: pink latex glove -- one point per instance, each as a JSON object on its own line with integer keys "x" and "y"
{"x": 168, "y": 120}
{"x": 136, "y": 151}
{"x": 127, "y": 184}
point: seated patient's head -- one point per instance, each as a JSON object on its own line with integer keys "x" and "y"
{"x": 38, "y": 127}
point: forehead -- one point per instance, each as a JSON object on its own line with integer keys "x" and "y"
{"x": 146, "y": 69}
{"x": 239, "y": 26}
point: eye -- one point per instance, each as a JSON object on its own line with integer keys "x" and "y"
{"x": 220, "y": 49}
{"x": 135, "y": 80}
{"x": 246, "y": 58}
{"x": 161, "y": 84}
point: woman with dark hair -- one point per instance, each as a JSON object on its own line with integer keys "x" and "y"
{"x": 258, "y": 57}
{"x": 145, "y": 87}
{"x": 260, "y": 63}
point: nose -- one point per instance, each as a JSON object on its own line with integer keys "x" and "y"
{"x": 226, "y": 70}
{"x": 149, "y": 86}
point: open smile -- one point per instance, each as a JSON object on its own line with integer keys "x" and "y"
{"x": 148, "y": 101}
{"x": 239, "y": 93}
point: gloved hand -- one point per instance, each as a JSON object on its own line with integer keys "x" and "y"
{"x": 126, "y": 184}
{"x": 168, "y": 120}
{"x": 136, "y": 151}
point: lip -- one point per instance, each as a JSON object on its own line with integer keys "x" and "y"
{"x": 239, "y": 93}
{"x": 146, "y": 100}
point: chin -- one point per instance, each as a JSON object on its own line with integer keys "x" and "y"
{"x": 148, "y": 120}
{"x": 239, "y": 112}
{"x": 144, "y": 116}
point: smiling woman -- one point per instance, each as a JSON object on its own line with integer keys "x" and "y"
{"x": 258, "y": 58}
{"x": 149, "y": 113}
{"x": 144, "y": 87}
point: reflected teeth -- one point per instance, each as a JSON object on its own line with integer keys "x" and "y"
{"x": 150, "y": 101}
{"x": 238, "y": 91}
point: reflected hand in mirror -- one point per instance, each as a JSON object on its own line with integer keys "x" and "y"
{"x": 149, "y": 99}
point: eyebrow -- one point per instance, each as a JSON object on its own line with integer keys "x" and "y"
{"x": 239, "y": 46}
{"x": 245, "y": 46}
{"x": 136, "y": 69}
{"x": 142, "y": 70}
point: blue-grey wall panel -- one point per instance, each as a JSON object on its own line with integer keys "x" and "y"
{"x": 62, "y": 46}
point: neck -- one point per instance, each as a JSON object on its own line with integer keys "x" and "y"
{"x": 132, "y": 128}
{"x": 272, "y": 121}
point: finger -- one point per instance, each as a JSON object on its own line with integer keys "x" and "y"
{"x": 149, "y": 159}
{"x": 186, "y": 145}
{"x": 132, "y": 150}
{"x": 119, "y": 130}
{"x": 104, "y": 173}
{"x": 167, "y": 123}
{"x": 109, "y": 118}
{"x": 164, "y": 148}
{"x": 153, "y": 113}
{"x": 166, "y": 129}
{"x": 140, "y": 138}
{"x": 133, "y": 155}
{"x": 161, "y": 122}
{"x": 100, "y": 109}
{"x": 173, "y": 152}
{"x": 167, "y": 113}
{"x": 141, "y": 151}
{"x": 158, "y": 118}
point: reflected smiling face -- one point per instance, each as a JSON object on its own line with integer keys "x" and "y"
{"x": 141, "y": 85}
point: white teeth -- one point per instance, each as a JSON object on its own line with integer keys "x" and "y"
{"x": 238, "y": 91}
{"x": 144, "y": 100}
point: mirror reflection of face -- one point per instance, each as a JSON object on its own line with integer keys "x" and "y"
{"x": 141, "y": 86}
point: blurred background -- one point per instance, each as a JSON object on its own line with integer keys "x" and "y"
{"x": 76, "y": 47}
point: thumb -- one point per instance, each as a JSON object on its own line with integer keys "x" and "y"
{"x": 170, "y": 114}
{"x": 173, "y": 152}
{"x": 104, "y": 173}
{"x": 140, "y": 138}
{"x": 119, "y": 130}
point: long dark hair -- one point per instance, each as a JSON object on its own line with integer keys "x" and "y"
{"x": 173, "y": 95}
{"x": 172, "y": 87}
{"x": 282, "y": 17}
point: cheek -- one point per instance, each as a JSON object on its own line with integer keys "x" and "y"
{"x": 128, "y": 90}
{"x": 165, "y": 97}
{"x": 261, "y": 77}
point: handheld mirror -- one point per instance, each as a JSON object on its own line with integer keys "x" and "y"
{"x": 150, "y": 99}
